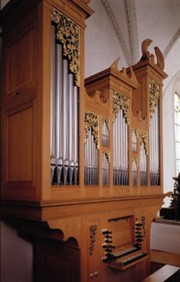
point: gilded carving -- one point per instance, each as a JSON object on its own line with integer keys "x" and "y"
{"x": 91, "y": 121}
{"x": 154, "y": 94}
{"x": 121, "y": 102}
{"x": 67, "y": 32}
{"x": 143, "y": 139}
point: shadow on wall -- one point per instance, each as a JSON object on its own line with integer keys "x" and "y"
{"x": 16, "y": 256}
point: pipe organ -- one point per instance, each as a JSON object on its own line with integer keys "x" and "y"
{"x": 82, "y": 158}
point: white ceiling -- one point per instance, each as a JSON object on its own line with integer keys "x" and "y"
{"x": 136, "y": 20}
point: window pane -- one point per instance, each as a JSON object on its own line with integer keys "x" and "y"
{"x": 177, "y": 129}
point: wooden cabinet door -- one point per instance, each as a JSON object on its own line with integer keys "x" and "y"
{"x": 20, "y": 62}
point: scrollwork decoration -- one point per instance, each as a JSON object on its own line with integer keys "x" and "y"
{"x": 154, "y": 94}
{"x": 67, "y": 32}
{"x": 121, "y": 102}
{"x": 91, "y": 121}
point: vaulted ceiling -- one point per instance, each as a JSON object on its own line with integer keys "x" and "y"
{"x": 134, "y": 20}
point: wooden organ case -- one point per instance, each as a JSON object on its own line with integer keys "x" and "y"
{"x": 81, "y": 159}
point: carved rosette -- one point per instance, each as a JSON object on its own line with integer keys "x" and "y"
{"x": 91, "y": 121}
{"x": 154, "y": 94}
{"x": 121, "y": 102}
{"x": 143, "y": 139}
{"x": 67, "y": 32}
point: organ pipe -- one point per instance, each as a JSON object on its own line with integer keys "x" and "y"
{"x": 143, "y": 166}
{"x": 53, "y": 103}
{"x": 134, "y": 173}
{"x": 91, "y": 123}
{"x": 120, "y": 150}
{"x": 154, "y": 148}
{"x": 64, "y": 119}
{"x": 91, "y": 160}
{"x": 105, "y": 169}
{"x": 105, "y": 132}
{"x": 134, "y": 141}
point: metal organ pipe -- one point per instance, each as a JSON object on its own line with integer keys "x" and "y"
{"x": 105, "y": 169}
{"x": 143, "y": 170}
{"x": 91, "y": 160}
{"x": 105, "y": 134}
{"x": 64, "y": 120}
{"x": 70, "y": 130}
{"x": 53, "y": 112}
{"x": 154, "y": 148}
{"x": 134, "y": 173}
{"x": 75, "y": 134}
{"x": 120, "y": 150}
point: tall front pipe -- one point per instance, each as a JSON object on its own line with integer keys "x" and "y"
{"x": 53, "y": 112}
{"x": 70, "y": 129}
{"x": 75, "y": 134}
{"x": 65, "y": 122}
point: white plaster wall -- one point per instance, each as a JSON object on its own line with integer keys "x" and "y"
{"x": 158, "y": 20}
{"x": 165, "y": 237}
{"x": 172, "y": 68}
{"x": 102, "y": 46}
{"x": 3, "y": 3}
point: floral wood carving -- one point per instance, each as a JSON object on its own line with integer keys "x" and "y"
{"x": 143, "y": 139}
{"x": 121, "y": 102}
{"x": 92, "y": 229}
{"x": 67, "y": 32}
{"x": 154, "y": 94}
{"x": 91, "y": 121}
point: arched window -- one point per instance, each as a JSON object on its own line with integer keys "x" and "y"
{"x": 177, "y": 129}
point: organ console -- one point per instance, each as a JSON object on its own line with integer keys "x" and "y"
{"x": 82, "y": 158}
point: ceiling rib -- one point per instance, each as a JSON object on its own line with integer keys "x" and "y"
{"x": 130, "y": 9}
{"x": 171, "y": 42}
{"x": 117, "y": 30}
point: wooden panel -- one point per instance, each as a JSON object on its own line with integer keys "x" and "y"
{"x": 20, "y": 145}
{"x": 20, "y": 61}
{"x": 20, "y": 66}
{"x": 56, "y": 261}
{"x": 164, "y": 274}
{"x": 165, "y": 257}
